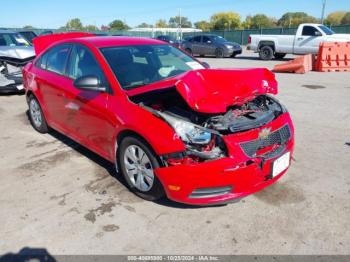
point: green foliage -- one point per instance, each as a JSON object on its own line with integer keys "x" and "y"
{"x": 335, "y": 18}
{"x": 161, "y": 23}
{"x": 74, "y": 24}
{"x": 28, "y": 27}
{"x": 91, "y": 28}
{"x": 261, "y": 21}
{"x": 225, "y": 20}
{"x": 346, "y": 19}
{"x": 144, "y": 25}
{"x": 203, "y": 25}
{"x": 175, "y": 22}
{"x": 118, "y": 25}
{"x": 295, "y": 19}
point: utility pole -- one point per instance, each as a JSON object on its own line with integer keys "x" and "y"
{"x": 323, "y": 10}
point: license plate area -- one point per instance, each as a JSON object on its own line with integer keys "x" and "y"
{"x": 280, "y": 164}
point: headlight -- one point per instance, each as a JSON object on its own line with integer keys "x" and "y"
{"x": 229, "y": 46}
{"x": 188, "y": 132}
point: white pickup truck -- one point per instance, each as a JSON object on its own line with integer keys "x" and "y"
{"x": 306, "y": 41}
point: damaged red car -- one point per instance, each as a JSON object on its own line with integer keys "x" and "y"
{"x": 171, "y": 126}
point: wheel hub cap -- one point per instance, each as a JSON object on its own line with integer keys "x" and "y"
{"x": 35, "y": 112}
{"x": 138, "y": 168}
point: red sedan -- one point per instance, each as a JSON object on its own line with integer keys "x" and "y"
{"x": 171, "y": 126}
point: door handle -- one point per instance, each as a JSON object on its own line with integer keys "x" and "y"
{"x": 300, "y": 38}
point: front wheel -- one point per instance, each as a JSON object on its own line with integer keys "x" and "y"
{"x": 36, "y": 115}
{"x": 266, "y": 53}
{"x": 137, "y": 164}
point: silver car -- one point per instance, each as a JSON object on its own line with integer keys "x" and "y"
{"x": 15, "y": 52}
{"x": 212, "y": 45}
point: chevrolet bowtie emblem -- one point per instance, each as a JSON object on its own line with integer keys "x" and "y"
{"x": 264, "y": 133}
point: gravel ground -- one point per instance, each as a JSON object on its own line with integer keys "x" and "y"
{"x": 55, "y": 194}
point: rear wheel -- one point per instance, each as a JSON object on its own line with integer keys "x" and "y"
{"x": 137, "y": 163}
{"x": 266, "y": 53}
{"x": 280, "y": 55}
{"x": 36, "y": 116}
{"x": 219, "y": 53}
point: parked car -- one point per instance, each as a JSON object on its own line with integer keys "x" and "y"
{"x": 15, "y": 52}
{"x": 212, "y": 45}
{"x": 28, "y": 35}
{"x": 306, "y": 41}
{"x": 169, "y": 39}
{"x": 170, "y": 126}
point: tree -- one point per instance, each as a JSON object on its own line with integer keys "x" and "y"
{"x": 74, "y": 24}
{"x": 28, "y": 27}
{"x": 335, "y": 18}
{"x": 203, "y": 25}
{"x": 175, "y": 22}
{"x": 105, "y": 28}
{"x": 161, "y": 23}
{"x": 261, "y": 21}
{"x": 144, "y": 25}
{"x": 225, "y": 20}
{"x": 91, "y": 28}
{"x": 118, "y": 25}
{"x": 247, "y": 23}
{"x": 295, "y": 19}
{"x": 346, "y": 19}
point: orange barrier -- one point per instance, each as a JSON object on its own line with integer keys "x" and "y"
{"x": 333, "y": 56}
{"x": 299, "y": 65}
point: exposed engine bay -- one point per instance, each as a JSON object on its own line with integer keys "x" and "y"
{"x": 202, "y": 132}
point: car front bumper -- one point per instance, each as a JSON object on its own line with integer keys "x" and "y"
{"x": 232, "y": 52}
{"x": 225, "y": 179}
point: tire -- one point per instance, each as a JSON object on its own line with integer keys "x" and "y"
{"x": 266, "y": 53}
{"x": 189, "y": 51}
{"x": 280, "y": 55}
{"x": 137, "y": 162}
{"x": 36, "y": 116}
{"x": 219, "y": 53}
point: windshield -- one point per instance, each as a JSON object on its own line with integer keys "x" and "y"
{"x": 135, "y": 66}
{"x": 12, "y": 39}
{"x": 326, "y": 30}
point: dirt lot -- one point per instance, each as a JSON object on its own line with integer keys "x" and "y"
{"x": 54, "y": 194}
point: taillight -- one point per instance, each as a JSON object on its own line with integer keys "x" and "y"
{"x": 249, "y": 40}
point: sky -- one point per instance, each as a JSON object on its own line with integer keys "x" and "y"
{"x": 55, "y": 13}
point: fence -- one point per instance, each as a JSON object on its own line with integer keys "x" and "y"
{"x": 239, "y": 36}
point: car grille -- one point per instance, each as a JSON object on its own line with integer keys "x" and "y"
{"x": 278, "y": 137}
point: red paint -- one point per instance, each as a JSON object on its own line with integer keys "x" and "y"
{"x": 96, "y": 119}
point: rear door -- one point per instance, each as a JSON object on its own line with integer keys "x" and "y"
{"x": 88, "y": 115}
{"x": 309, "y": 40}
{"x": 52, "y": 82}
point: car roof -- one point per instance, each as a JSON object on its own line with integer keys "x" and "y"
{"x": 108, "y": 41}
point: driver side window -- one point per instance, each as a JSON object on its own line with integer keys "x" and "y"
{"x": 83, "y": 63}
{"x": 310, "y": 31}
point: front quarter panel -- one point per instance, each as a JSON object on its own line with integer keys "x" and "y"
{"x": 157, "y": 133}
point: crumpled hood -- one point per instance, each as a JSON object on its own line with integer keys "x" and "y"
{"x": 17, "y": 52}
{"x": 213, "y": 90}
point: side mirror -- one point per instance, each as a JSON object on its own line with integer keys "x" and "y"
{"x": 206, "y": 65}
{"x": 318, "y": 33}
{"x": 89, "y": 83}
{"x": 208, "y": 42}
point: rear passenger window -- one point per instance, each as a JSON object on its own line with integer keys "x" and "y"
{"x": 57, "y": 59}
{"x": 197, "y": 39}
